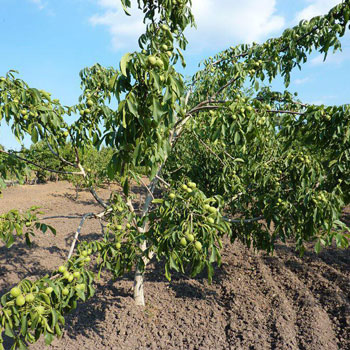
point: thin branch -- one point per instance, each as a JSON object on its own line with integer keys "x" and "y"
{"x": 76, "y": 236}
{"x": 209, "y": 107}
{"x": 61, "y": 217}
{"x": 59, "y": 156}
{"x": 176, "y": 170}
{"x": 230, "y": 82}
{"x": 203, "y": 104}
{"x": 189, "y": 92}
{"x": 98, "y": 199}
{"x": 208, "y": 148}
{"x": 163, "y": 181}
{"x": 147, "y": 188}
{"x": 244, "y": 221}
{"x": 304, "y": 105}
{"x": 39, "y": 166}
{"x": 132, "y": 210}
{"x": 91, "y": 189}
{"x": 287, "y": 112}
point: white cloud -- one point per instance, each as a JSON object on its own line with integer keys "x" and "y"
{"x": 220, "y": 24}
{"x": 301, "y": 81}
{"x": 124, "y": 30}
{"x": 316, "y": 8}
{"x": 39, "y": 3}
{"x": 228, "y": 22}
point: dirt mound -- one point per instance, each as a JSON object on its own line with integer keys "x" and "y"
{"x": 255, "y": 301}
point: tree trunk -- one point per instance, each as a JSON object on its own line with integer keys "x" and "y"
{"x": 139, "y": 273}
{"x": 138, "y": 287}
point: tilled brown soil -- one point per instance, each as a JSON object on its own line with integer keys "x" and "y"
{"x": 255, "y": 301}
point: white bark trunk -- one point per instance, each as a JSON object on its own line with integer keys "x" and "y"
{"x": 139, "y": 273}
{"x": 138, "y": 288}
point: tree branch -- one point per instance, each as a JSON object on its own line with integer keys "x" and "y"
{"x": 163, "y": 181}
{"x": 208, "y": 148}
{"x": 244, "y": 221}
{"x": 59, "y": 156}
{"x": 76, "y": 236}
{"x": 39, "y": 166}
{"x": 287, "y": 112}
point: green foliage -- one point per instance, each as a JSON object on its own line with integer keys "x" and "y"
{"x": 185, "y": 230}
{"x": 18, "y": 224}
{"x": 266, "y": 166}
{"x": 37, "y": 308}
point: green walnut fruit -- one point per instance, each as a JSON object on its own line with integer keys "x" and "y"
{"x": 128, "y": 226}
{"x": 212, "y": 210}
{"x": 118, "y": 245}
{"x": 65, "y": 134}
{"x": 87, "y": 259}
{"x": 152, "y": 60}
{"x": 192, "y": 184}
{"x": 183, "y": 241}
{"x": 90, "y": 103}
{"x": 66, "y": 274}
{"x": 206, "y": 206}
{"x": 172, "y": 196}
{"x": 84, "y": 253}
{"x": 198, "y": 246}
{"x": 159, "y": 63}
{"x": 20, "y": 300}
{"x": 184, "y": 187}
{"x": 48, "y": 290}
{"x": 23, "y": 111}
{"x": 30, "y": 298}
{"x": 65, "y": 291}
{"x": 76, "y": 274}
{"x": 15, "y": 292}
{"x": 89, "y": 251}
{"x": 71, "y": 277}
{"x": 40, "y": 309}
{"x": 164, "y": 47}
{"x": 169, "y": 53}
{"x": 164, "y": 27}
{"x": 80, "y": 286}
{"x": 87, "y": 111}
{"x": 189, "y": 190}
{"x": 82, "y": 112}
{"x": 62, "y": 269}
{"x": 211, "y": 220}
{"x": 119, "y": 227}
{"x": 190, "y": 237}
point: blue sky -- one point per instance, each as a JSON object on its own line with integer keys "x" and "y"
{"x": 50, "y": 41}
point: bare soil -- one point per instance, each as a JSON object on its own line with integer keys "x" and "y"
{"x": 255, "y": 301}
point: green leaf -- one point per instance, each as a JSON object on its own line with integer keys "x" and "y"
{"x": 8, "y": 331}
{"x": 173, "y": 264}
{"x": 318, "y": 247}
{"x": 24, "y": 325}
{"x": 112, "y": 82}
{"x": 48, "y": 337}
{"x": 123, "y": 63}
{"x": 126, "y": 187}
